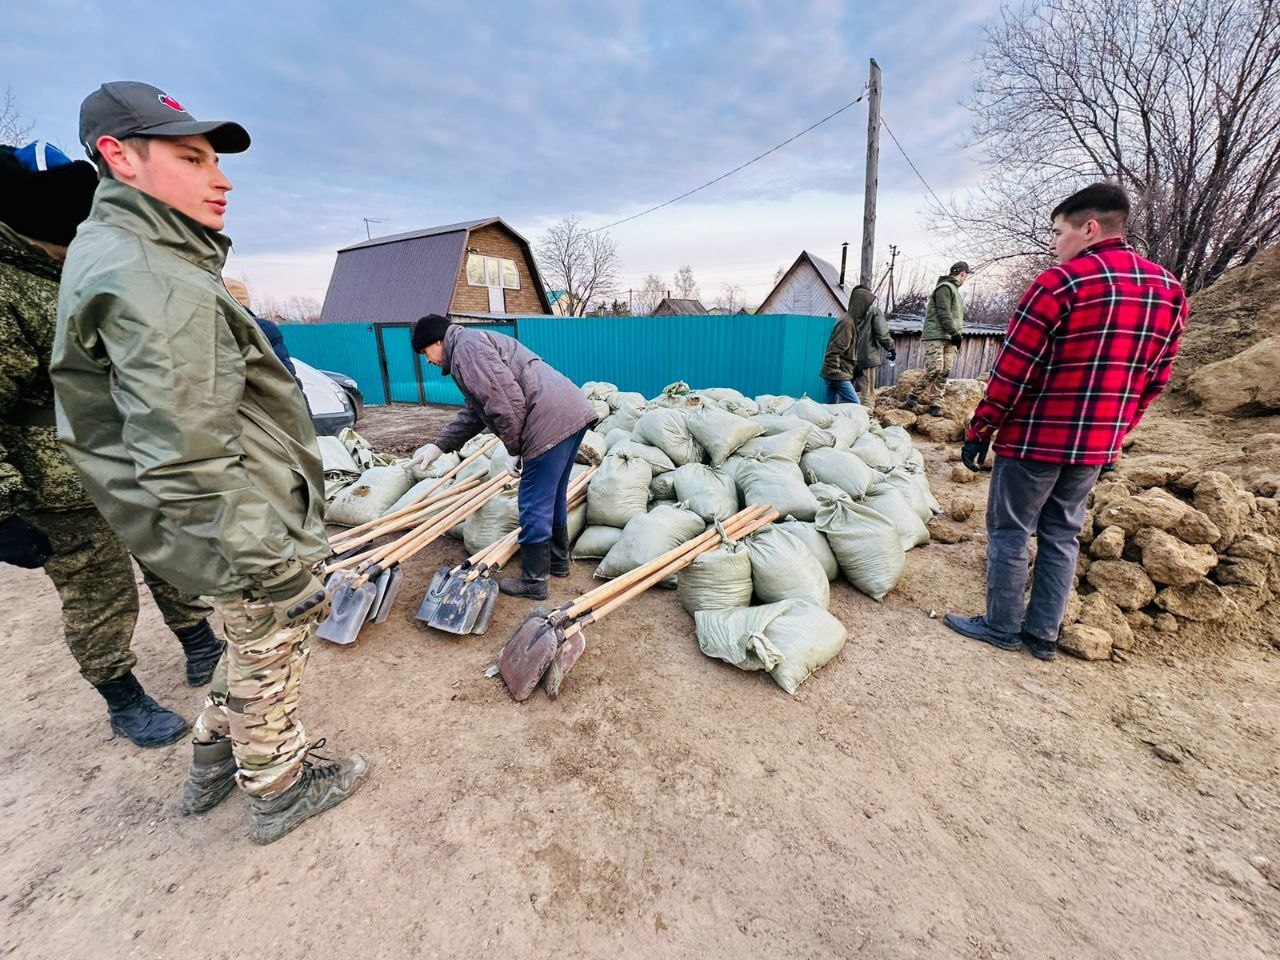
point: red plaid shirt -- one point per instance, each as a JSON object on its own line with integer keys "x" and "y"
{"x": 1089, "y": 348}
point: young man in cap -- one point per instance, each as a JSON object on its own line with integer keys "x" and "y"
{"x": 537, "y": 413}
{"x": 194, "y": 441}
{"x": 1089, "y": 348}
{"x": 943, "y": 322}
{"x": 46, "y": 519}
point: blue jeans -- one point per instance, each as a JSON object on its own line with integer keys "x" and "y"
{"x": 544, "y": 490}
{"x": 841, "y": 391}
{"x": 1047, "y": 499}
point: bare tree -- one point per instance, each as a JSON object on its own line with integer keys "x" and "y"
{"x": 1177, "y": 101}
{"x": 732, "y": 298}
{"x": 685, "y": 287}
{"x": 13, "y": 131}
{"x": 295, "y": 309}
{"x": 581, "y": 263}
{"x": 649, "y": 296}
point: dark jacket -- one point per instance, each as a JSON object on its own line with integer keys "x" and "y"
{"x": 944, "y": 316}
{"x": 271, "y": 330}
{"x": 512, "y": 391}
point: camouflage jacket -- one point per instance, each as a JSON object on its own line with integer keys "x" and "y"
{"x": 35, "y": 473}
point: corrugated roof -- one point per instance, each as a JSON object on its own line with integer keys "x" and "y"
{"x": 831, "y": 276}
{"x": 428, "y": 232}
{"x": 381, "y": 283}
{"x": 670, "y": 306}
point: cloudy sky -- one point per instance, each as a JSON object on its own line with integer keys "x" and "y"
{"x": 432, "y": 112}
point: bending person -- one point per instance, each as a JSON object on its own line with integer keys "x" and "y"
{"x": 537, "y": 413}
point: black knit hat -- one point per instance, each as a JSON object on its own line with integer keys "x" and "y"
{"x": 428, "y": 330}
{"x": 45, "y": 205}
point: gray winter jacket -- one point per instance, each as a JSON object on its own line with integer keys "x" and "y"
{"x": 512, "y": 391}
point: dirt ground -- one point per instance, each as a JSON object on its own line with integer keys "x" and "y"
{"x": 923, "y": 796}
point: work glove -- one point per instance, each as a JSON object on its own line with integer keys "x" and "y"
{"x": 299, "y": 597}
{"x": 973, "y": 453}
{"x": 891, "y": 355}
{"x": 955, "y": 341}
{"x": 423, "y": 457}
{"x": 23, "y": 545}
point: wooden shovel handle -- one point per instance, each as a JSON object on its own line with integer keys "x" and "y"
{"x": 455, "y": 516}
{"x": 400, "y": 520}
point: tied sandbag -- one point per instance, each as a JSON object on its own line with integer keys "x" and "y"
{"x": 721, "y": 394}
{"x": 672, "y": 395}
{"x": 614, "y": 437}
{"x": 592, "y": 449}
{"x": 474, "y": 444}
{"x": 668, "y": 430}
{"x": 594, "y": 542}
{"x": 601, "y": 408}
{"x": 720, "y": 433}
{"x": 442, "y": 465}
{"x": 865, "y": 543}
{"x": 742, "y": 406}
{"x": 899, "y": 443}
{"x": 370, "y": 496}
{"x": 730, "y": 467}
{"x": 335, "y": 457}
{"x": 839, "y": 468}
{"x": 809, "y": 535}
{"x": 624, "y": 418}
{"x": 658, "y": 461}
{"x": 493, "y": 521}
{"x": 782, "y": 568}
{"x": 846, "y": 432}
{"x": 620, "y": 398}
{"x": 618, "y": 491}
{"x": 478, "y": 467}
{"x": 827, "y": 491}
{"x": 711, "y": 494}
{"x": 874, "y": 452}
{"x": 599, "y": 389}
{"x": 854, "y": 413}
{"x": 810, "y": 410}
{"x": 917, "y": 473}
{"x": 890, "y": 503}
{"x": 578, "y": 522}
{"x": 789, "y": 444}
{"x": 815, "y": 437}
{"x": 502, "y": 462}
{"x": 717, "y": 579}
{"x": 647, "y": 537}
{"x": 663, "y": 486}
{"x": 770, "y": 404}
{"x": 790, "y": 639}
{"x": 776, "y": 482}
{"x": 415, "y": 492}
{"x": 905, "y": 482}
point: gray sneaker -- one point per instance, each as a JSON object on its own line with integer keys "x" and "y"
{"x": 211, "y": 778}
{"x": 321, "y": 786}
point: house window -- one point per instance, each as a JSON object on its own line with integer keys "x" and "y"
{"x": 485, "y": 271}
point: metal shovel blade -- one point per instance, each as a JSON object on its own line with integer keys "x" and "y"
{"x": 566, "y": 656}
{"x": 461, "y": 606}
{"x": 436, "y": 591}
{"x": 349, "y": 610}
{"x": 527, "y": 654}
{"x": 388, "y": 590}
{"x": 486, "y": 610}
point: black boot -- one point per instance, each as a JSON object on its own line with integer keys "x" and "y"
{"x": 137, "y": 716}
{"x": 935, "y": 411}
{"x": 203, "y": 648}
{"x": 535, "y": 558}
{"x": 910, "y": 402}
{"x": 559, "y": 551}
{"x": 211, "y": 778}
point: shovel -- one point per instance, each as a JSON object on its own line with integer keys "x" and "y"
{"x": 447, "y": 580}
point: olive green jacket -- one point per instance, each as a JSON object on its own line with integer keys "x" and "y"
{"x": 35, "y": 473}
{"x": 191, "y": 436}
{"x": 944, "y": 317}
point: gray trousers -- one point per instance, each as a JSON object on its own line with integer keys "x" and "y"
{"x": 1047, "y": 499}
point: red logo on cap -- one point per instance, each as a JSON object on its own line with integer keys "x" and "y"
{"x": 171, "y": 103}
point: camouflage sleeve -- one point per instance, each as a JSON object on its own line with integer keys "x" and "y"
{"x": 18, "y": 362}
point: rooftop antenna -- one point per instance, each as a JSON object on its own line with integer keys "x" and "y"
{"x": 367, "y": 221}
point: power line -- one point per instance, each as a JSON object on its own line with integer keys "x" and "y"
{"x": 743, "y": 166}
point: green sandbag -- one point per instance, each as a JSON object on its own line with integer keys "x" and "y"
{"x": 668, "y": 430}
{"x": 791, "y": 639}
{"x": 598, "y": 389}
{"x": 783, "y": 568}
{"x": 663, "y": 486}
{"x": 907, "y": 483}
{"x": 789, "y": 444}
{"x": 889, "y": 502}
{"x": 620, "y": 398}
{"x": 769, "y": 403}
{"x": 618, "y": 491}
{"x": 648, "y": 536}
{"x": 592, "y": 449}
{"x": 814, "y": 439}
{"x": 874, "y": 452}
{"x": 778, "y": 483}
{"x": 720, "y": 433}
{"x": 736, "y": 635}
{"x": 474, "y": 444}
{"x": 416, "y": 491}
{"x": 810, "y": 410}
{"x": 614, "y": 437}
{"x": 854, "y": 413}
{"x": 710, "y": 493}
{"x": 866, "y": 545}
{"x": 809, "y": 535}
{"x": 717, "y": 579}
{"x": 624, "y": 418}
{"x": 594, "y": 542}
{"x": 577, "y": 522}
{"x": 845, "y": 430}
{"x": 840, "y": 468}
{"x": 493, "y": 521}
{"x": 370, "y": 496}
{"x": 743, "y": 407}
{"x": 658, "y": 461}
{"x": 478, "y": 467}
{"x": 502, "y": 462}
{"x": 899, "y": 443}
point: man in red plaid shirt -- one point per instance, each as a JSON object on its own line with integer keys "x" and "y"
{"x": 1089, "y": 348}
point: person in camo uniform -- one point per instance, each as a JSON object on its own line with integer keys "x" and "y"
{"x": 46, "y": 519}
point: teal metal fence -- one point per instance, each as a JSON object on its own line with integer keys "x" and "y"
{"x": 775, "y": 353}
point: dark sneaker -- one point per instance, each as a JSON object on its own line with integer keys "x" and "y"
{"x": 976, "y": 628}
{"x": 320, "y": 787}
{"x": 203, "y": 649}
{"x": 135, "y": 715}
{"x": 1040, "y": 649}
{"x": 935, "y": 411}
{"x": 211, "y": 778}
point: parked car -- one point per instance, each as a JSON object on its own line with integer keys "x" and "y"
{"x": 331, "y": 408}
{"x": 353, "y": 390}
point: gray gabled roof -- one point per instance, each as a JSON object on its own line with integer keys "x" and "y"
{"x": 829, "y": 274}
{"x": 432, "y": 232}
{"x": 672, "y": 306}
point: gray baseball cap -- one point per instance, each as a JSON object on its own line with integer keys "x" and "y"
{"x": 127, "y": 108}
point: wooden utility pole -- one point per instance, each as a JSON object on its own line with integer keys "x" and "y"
{"x": 873, "y": 176}
{"x": 893, "y": 292}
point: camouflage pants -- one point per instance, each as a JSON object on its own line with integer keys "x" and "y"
{"x": 254, "y": 694}
{"x": 865, "y": 383}
{"x": 939, "y": 361}
{"x": 91, "y": 570}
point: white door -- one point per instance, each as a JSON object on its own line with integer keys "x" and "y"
{"x": 497, "y": 300}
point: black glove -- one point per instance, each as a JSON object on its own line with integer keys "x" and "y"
{"x": 973, "y": 453}
{"x": 23, "y": 545}
{"x": 892, "y": 355}
{"x": 955, "y": 341}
